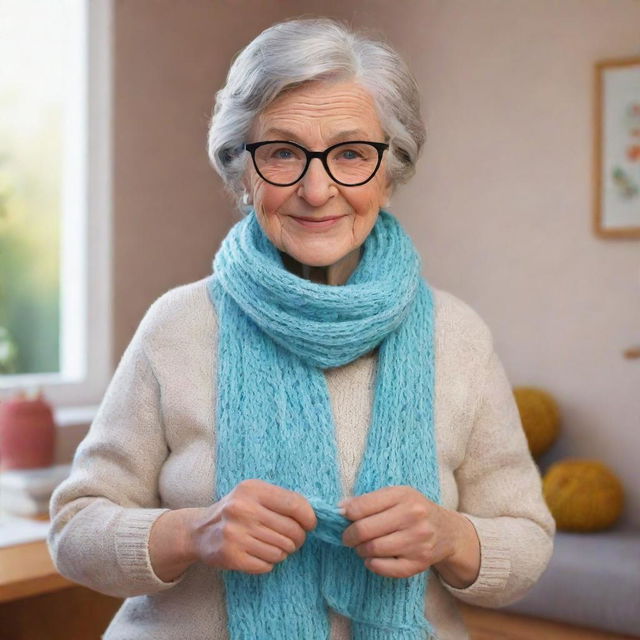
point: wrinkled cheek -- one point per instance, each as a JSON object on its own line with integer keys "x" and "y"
{"x": 363, "y": 223}
{"x": 264, "y": 205}
{"x": 267, "y": 204}
{"x": 269, "y": 221}
{"x": 268, "y": 199}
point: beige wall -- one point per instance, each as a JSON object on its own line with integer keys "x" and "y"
{"x": 500, "y": 206}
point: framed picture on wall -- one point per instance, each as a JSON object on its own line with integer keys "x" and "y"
{"x": 617, "y": 148}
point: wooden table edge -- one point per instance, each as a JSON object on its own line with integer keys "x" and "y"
{"x": 28, "y": 570}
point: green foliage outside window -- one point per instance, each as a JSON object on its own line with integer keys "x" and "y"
{"x": 35, "y": 90}
{"x": 29, "y": 245}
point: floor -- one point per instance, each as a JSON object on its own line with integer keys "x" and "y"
{"x": 493, "y": 624}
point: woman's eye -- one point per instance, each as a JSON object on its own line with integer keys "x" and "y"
{"x": 350, "y": 154}
{"x": 282, "y": 154}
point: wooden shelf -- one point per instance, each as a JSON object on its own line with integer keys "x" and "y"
{"x": 37, "y": 602}
{"x": 27, "y": 570}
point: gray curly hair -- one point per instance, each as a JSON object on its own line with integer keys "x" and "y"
{"x": 297, "y": 51}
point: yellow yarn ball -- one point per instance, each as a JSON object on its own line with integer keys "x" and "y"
{"x": 582, "y": 495}
{"x": 540, "y": 417}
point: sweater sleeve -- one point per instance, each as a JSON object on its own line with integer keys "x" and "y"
{"x": 102, "y": 514}
{"x": 500, "y": 492}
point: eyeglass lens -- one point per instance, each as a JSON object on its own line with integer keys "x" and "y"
{"x": 350, "y": 163}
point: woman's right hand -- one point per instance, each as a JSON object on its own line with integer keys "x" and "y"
{"x": 253, "y": 527}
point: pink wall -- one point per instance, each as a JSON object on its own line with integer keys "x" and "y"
{"x": 500, "y": 205}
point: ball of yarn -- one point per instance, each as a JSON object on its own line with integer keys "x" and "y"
{"x": 540, "y": 417}
{"x": 582, "y": 495}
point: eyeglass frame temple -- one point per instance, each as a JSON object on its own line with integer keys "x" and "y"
{"x": 380, "y": 147}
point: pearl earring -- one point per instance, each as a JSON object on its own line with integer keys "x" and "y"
{"x": 246, "y": 199}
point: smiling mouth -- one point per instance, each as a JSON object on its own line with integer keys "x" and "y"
{"x": 317, "y": 223}
{"x": 317, "y": 219}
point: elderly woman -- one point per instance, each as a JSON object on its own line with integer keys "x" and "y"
{"x": 312, "y": 442}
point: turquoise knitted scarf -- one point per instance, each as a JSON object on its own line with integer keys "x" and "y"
{"x": 277, "y": 332}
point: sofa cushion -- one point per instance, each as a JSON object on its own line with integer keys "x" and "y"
{"x": 593, "y": 579}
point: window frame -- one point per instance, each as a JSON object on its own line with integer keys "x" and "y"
{"x": 85, "y": 277}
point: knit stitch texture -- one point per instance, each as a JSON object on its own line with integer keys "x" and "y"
{"x": 274, "y": 422}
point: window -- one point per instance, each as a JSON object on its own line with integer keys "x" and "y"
{"x": 55, "y": 198}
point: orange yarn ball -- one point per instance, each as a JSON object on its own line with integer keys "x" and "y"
{"x": 540, "y": 417}
{"x": 582, "y": 495}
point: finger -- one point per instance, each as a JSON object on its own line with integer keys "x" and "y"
{"x": 283, "y": 525}
{"x": 264, "y": 551}
{"x": 367, "y": 504}
{"x": 393, "y": 567}
{"x": 398, "y": 544}
{"x": 251, "y": 564}
{"x": 268, "y": 535}
{"x": 374, "y": 526}
{"x": 288, "y": 503}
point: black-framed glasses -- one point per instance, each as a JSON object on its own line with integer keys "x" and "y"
{"x": 282, "y": 162}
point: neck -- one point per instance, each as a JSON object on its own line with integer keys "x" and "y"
{"x": 333, "y": 274}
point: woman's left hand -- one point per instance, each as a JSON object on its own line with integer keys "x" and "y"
{"x": 399, "y": 531}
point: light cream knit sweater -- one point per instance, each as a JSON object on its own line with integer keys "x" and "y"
{"x": 151, "y": 448}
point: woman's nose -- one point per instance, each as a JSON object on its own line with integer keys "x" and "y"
{"x": 316, "y": 186}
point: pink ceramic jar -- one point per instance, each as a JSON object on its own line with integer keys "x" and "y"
{"x": 27, "y": 433}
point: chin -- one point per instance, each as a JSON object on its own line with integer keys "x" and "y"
{"x": 317, "y": 261}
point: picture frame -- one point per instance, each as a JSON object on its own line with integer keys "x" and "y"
{"x": 616, "y": 212}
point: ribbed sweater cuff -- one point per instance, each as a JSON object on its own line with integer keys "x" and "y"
{"x": 495, "y": 562}
{"x": 132, "y": 549}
